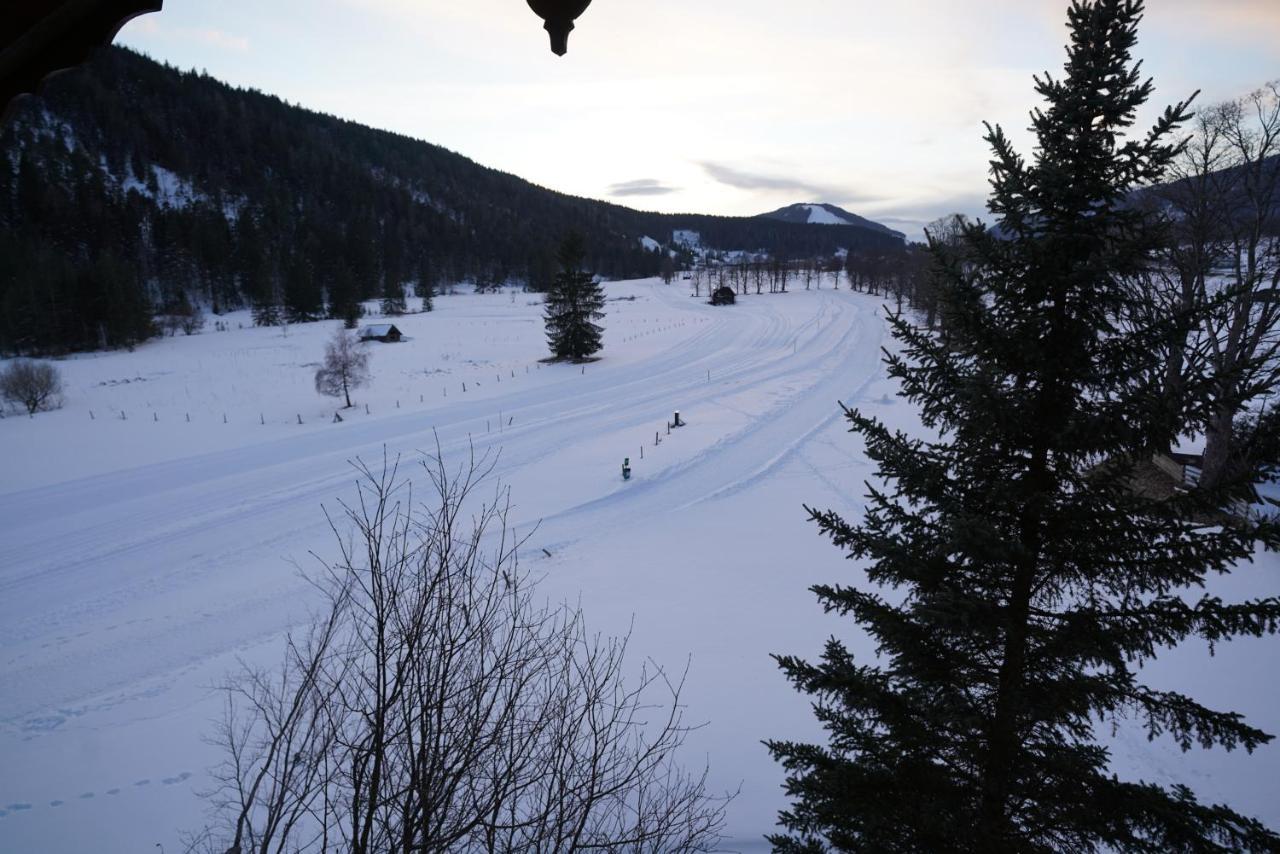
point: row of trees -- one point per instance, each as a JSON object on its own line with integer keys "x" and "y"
{"x": 899, "y": 273}
{"x": 1018, "y": 579}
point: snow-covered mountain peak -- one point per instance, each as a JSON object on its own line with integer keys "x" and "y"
{"x": 821, "y": 213}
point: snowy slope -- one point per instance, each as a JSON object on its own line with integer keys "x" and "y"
{"x": 820, "y": 213}
{"x": 140, "y": 556}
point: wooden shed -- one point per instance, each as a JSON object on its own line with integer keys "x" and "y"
{"x": 387, "y": 333}
{"x": 722, "y": 296}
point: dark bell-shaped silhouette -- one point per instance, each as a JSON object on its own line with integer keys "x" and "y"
{"x": 559, "y": 15}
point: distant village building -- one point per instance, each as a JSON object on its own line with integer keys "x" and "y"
{"x": 387, "y": 333}
{"x": 722, "y": 296}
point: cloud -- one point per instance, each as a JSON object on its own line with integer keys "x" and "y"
{"x": 218, "y": 38}
{"x": 923, "y": 209}
{"x": 912, "y": 215}
{"x": 641, "y": 187}
{"x": 148, "y": 27}
{"x": 743, "y": 179}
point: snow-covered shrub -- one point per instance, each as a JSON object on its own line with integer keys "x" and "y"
{"x": 34, "y": 385}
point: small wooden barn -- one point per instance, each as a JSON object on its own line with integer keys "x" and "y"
{"x": 387, "y": 333}
{"x": 722, "y": 296}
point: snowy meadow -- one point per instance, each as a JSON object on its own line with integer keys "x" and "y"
{"x": 156, "y": 531}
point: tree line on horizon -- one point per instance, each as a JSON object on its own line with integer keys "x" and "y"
{"x": 134, "y": 188}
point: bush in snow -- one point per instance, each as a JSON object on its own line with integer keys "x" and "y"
{"x": 35, "y": 385}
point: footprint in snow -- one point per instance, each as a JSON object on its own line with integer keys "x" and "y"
{"x": 113, "y": 791}
{"x": 18, "y": 807}
{"x": 86, "y": 795}
{"x": 142, "y": 783}
{"x": 169, "y": 781}
{"x": 55, "y": 803}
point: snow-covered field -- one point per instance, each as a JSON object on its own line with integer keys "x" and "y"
{"x": 152, "y": 531}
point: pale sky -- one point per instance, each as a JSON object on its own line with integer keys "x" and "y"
{"x": 705, "y": 106}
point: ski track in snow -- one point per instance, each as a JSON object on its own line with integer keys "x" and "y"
{"x": 124, "y": 595}
{"x": 116, "y": 587}
{"x": 78, "y": 551}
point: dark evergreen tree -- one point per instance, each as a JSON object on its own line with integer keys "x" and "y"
{"x": 267, "y": 301}
{"x": 393, "y": 302}
{"x": 344, "y": 302}
{"x": 541, "y": 272}
{"x": 573, "y": 305}
{"x": 123, "y": 311}
{"x": 425, "y": 286}
{"x": 303, "y": 297}
{"x": 1029, "y": 578}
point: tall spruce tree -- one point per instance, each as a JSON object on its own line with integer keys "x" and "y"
{"x": 303, "y": 295}
{"x": 393, "y": 301}
{"x": 1029, "y": 578}
{"x": 573, "y": 305}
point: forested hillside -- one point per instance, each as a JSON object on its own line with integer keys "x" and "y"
{"x": 135, "y": 189}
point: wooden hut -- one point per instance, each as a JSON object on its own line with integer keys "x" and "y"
{"x": 387, "y": 333}
{"x": 722, "y": 296}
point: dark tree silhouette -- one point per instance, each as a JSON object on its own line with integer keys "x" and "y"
{"x": 573, "y": 305}
{"x": 1029, "y": 578}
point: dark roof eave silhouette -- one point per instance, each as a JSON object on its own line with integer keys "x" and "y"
{"x": 40, "y": 38}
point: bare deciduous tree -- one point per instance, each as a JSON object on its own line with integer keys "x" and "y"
{"x": 945, "y": 236}
{"x": 1222, "y": 262}
{"x": 346, "y": 366}
{"x": 438, "y": 706}
{"x": 1244, "y": 337}
{"x": 34, "y": 385}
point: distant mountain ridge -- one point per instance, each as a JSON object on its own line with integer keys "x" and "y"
{"x": 821, "y": 213}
